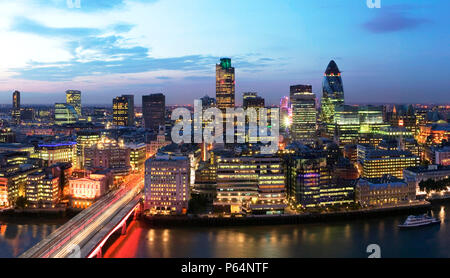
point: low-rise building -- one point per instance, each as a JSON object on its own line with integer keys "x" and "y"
{"x": 84, "y": 191}
{"x": 414, "y": 175}
{"x": 384, "y": 191}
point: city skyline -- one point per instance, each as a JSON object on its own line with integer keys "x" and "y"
{"x": 113, "y": 48}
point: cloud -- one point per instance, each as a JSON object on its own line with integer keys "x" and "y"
{"x": 393, "y": 19}
{"x": 96, "y": 52}
{"x": 89, "y": 5}
{"x": 25, "y": 25}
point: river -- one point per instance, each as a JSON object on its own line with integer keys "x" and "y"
{"x": 334, "y": 239}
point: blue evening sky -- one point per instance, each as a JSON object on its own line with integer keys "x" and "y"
{"x": 398, "y": 53}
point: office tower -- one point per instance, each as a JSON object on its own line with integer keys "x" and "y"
{"x": 304, "y": 113}
{"x": 250, "y": 184}
{"x": 65, "y": 114}
{"x": 123, "y": 110}
{"x": 376, "y": 163}
{"x": 85, "y": 139}
{"x": 16, "y": 108}
{"x": 73, "y": 98}
{"x": 154, "y": 111}
{"x": 52, "y": 153}
{"x": 208, "y": 102}
{"x": 252, "y": 100}
{"x": 332, "y": 96}
{"x": 167, "y": 184}
{"x": 225, "y": 84}
{"x": 42, "y": 190}
{"x": 137, "y": 155}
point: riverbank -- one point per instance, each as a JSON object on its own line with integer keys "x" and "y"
{"x": 285, "y": 219}
{"x": 38, "y": 213}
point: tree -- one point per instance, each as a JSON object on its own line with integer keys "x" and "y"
{"x": 21, "y": 202}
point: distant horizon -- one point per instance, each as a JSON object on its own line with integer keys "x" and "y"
{"x": 394, "y": 53}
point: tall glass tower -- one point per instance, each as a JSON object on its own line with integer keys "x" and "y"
{"x": 16, "y": 107}
{"x": 73, "y": 98}
{"x": 332, "y": 95}
{"x": 225, "y": 84}
{"x": 304, "y": 114}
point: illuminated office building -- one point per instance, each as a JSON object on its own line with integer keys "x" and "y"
{"x": 250, "y": 184}
{"x": 73, "y": 98}
{"x": 332, "y": 96}
{"x": 154, "y": 111}
{"x": 7, "y": 135}
{"x": 108, "y": 154}
{"x": 252, "y": 100}
{"x": 405, "y": 117}
{"x": 137, "y": 155}
{"x": 123, "y": 110}
{"x": 167, "y": 184}
{"x": 16, "y": 108}
{"x": 157, "y": 144}
{"x": 386, "y": 190}
{"x": 85, "y": 139}
{"x": 304, "y": 113}
{"x": 225, "y": 84}
{"x": 355, "y": 123}
{"x": 42, "y": 190}
{"x": 53, "y": 153}
{"x": 375, "y": 163}
{"x": 65, "y": 114}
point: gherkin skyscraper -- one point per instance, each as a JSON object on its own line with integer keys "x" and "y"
{"x": 332, "y": 96}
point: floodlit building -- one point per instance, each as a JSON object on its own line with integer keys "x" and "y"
{"x": 384, "y": 191}
{"x": 375, "y": 163}
{"x": 57, "y": 152}
{"x": 225, "y": 84}
{"x": 65, "y": 114}
{"x": 84, "y": 191}
{"x": 108, "y": 154}
{"x": 304, "y": 113}
{"x": 42, "y": 190}
{"x": 123, "y": 110}
{"x": 167, "y": 184}
{"x": 250, "y": 184}
{"x": 73, "y": 98}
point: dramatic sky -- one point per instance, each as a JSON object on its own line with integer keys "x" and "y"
{"x": 398, "y": 53}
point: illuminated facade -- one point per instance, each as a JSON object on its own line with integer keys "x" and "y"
{"x": 434, "y": 133}
{"x": 4, "y": 202}
{"x": 253, "y": 184}
{"x": 167, "y": 185}
{"x": 73, "y": 98}
{"x": 225, "y": 84}
{"x": 376, "y": 163}
{"x": 157, "y": 144}
{"x": 304, "y": 113}
{"x": 53, "y": 153}
{"x": 83, "y": 191}
{"x": 384, "y": 191}
{"x": 154, "y": 111}
{"x": 108, "y": 154}
{"x": 285, "y": 113}
{"x": 65, "y": 114}
{"x": 85, "y": 139}
{"x": 414, "y": 175}
{"x": 42, "y": 191}
{"x": 16, "y": 108}
{"x": 332, "y": 96}
{"x": 123, "y": 110}
{"x": 137, "y": 155}
{"x": 355, "y": 123}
